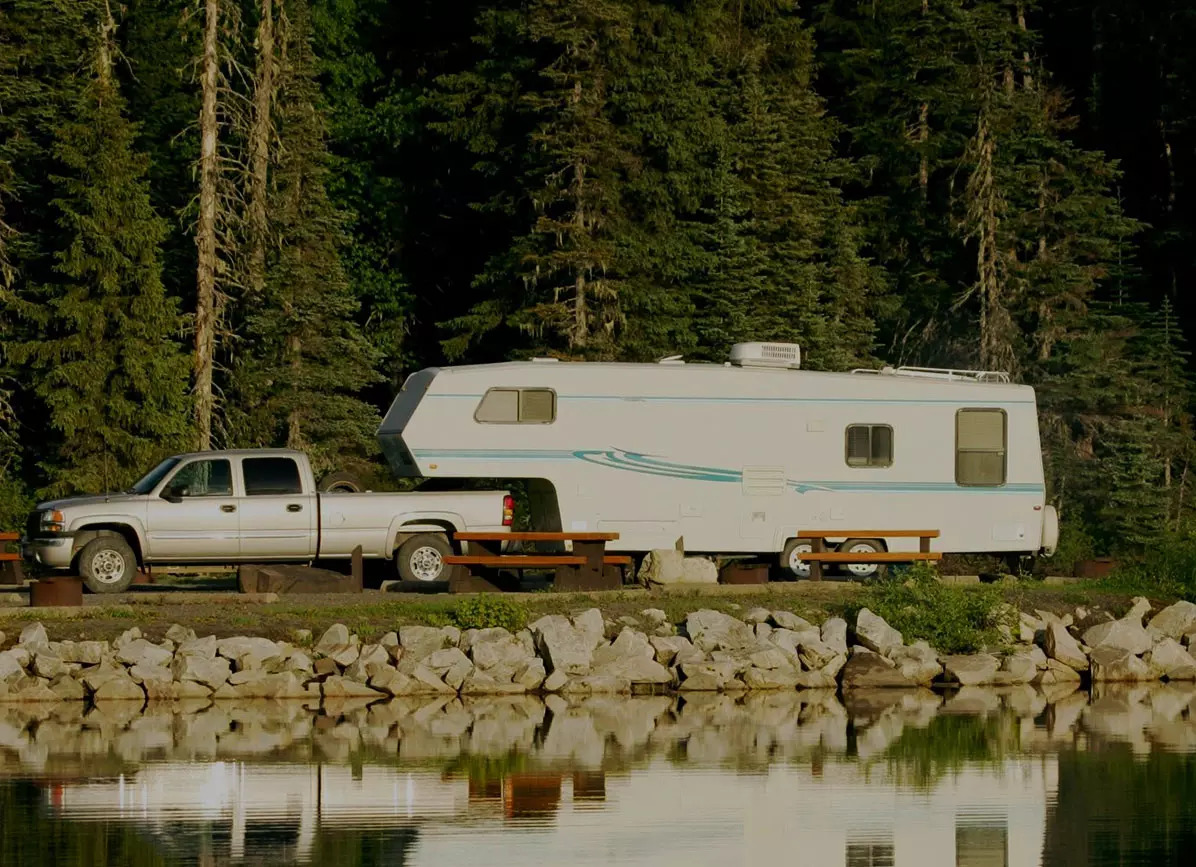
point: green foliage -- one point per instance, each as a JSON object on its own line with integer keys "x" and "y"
{"x": 954, "y": 619}
{"x": 1167, "y": 569}
{"x": 486, "y": 611}
{"x": 924, "y": 755}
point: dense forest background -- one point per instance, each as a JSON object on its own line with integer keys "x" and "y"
{"x": 243, "y": 222}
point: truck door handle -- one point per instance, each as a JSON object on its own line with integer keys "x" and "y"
{"x": 294, "y": 507}
{"x": 227, "y": 508}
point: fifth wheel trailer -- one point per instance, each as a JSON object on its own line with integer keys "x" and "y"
{"x": 736, "y": 458}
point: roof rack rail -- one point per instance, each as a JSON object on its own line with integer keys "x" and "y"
{"x": 940, "y": 373}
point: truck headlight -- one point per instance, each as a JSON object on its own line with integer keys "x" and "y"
{"x": 53, "y": 522}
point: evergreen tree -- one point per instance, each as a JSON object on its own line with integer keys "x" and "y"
{"x": 306, "y": 362}
{"x": 105, "y": 363}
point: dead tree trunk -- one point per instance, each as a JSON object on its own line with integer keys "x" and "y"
{"x": 206, "y": 303}
{"x": 260, "y": 134}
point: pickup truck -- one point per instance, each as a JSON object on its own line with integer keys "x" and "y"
{"x": 251, "y": 506}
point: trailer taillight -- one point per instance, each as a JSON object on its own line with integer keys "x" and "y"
{"x": 508, "y": 510}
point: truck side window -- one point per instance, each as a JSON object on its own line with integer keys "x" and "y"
{"x": 203, "y": 479}
{"x": 266, "y": 476}
{"x": 980, "y": 447}
{"x": 517, "y": 406}
{"x": 869, "y": 445}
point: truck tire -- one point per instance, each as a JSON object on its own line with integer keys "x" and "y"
{"x": 107, "y": 564}
{"x": 421, "y": 558}
{"x": 791, "y": 562}
{"x": 341, "y": 482}
{"x": 863, "y": 571}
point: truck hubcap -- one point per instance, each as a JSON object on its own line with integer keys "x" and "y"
{"x": 108, "y": 567}
{"x": 426, "y": 563}
{"x": 862, "y": 570}
{"x": 797, "y": 565}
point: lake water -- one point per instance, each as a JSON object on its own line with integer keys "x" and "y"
{"x": 981, "y": 778}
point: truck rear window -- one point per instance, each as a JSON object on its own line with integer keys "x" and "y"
{"x": 265, "y": 476}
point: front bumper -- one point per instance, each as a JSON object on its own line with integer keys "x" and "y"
{"x": 52, "y": 552}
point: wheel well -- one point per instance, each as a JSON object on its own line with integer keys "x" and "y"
{"x": 94, "y": 531}
{"x": 425, "y": 525}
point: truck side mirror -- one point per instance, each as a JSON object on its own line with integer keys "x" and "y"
{"x": 173, "y": 494}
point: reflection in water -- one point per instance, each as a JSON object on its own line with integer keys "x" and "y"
{"x": 978, "y": 778}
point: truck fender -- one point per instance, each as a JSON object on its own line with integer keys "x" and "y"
{"x": 105, "y": 525}
{"x": 410, "y": 523}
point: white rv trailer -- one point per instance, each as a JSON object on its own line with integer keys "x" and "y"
{"x": 736, "y": 458}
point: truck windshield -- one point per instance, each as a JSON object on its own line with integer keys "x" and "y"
{"x": 150, "y": 480}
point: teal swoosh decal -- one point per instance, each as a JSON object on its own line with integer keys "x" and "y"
{"x": 652, "y": 465}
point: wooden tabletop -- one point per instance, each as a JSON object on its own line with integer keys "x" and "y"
{"x": 9, "y": 537}
{"x": 472, "y": 536}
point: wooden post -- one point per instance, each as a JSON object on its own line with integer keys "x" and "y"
{"x": 819, "y": 546}
{"x": 357, "y": 567}
{"x": 924, "y": 544}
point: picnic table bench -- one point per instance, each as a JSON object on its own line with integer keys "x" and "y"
{"x": 587, "y": 567}
{"x": 10, "y": 562}
{"x": 820, "y": 555}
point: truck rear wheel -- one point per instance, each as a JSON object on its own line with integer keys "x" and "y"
{"x": 107, "y": 564}
{"x": 421, "y": 558}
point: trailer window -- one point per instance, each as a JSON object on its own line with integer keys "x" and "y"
{"x": 517, "y": 406}
{"x": 980, "y": 447}
{"x": 869, "y": 445}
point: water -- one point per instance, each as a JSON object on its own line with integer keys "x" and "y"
{"x": 1008, "y": 777}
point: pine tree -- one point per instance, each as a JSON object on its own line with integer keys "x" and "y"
{"x": 299, "y": 382}
{"x": 105, "y": 363}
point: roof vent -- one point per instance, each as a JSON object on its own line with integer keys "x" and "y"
{"x": 784, "y": 355}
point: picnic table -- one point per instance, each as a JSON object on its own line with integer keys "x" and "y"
{"x": 586, "y": 567}
{"x": 820, "y": 555}
{"x": 10, "y": 562}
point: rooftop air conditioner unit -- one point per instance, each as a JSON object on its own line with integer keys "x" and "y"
{"x": 784, "y": 355}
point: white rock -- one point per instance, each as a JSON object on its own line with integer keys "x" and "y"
{"x": 1140, "y": 609}
{"x": 180, "y": 634}
{"x": 83, "y": 652}
{"x": 871, "y": 670}
{"x": 138, "y": 651}
{"x": 834, "y": 634}
{"x": 212, "y": 672}
{"x": 119, "y": 688}
{"x": 68, "y": 689}
{"x": 816, "y": 654}
{"x": 339, "y": 687}
{"x": 712, "y": 630}
{"x": 875, "y": 634}
{"x": 667, "y": 647}
{"x": 555, "y": 681}
{"x": 1061, "y": 646}
{"x": 654, "y": 616}
{"x": 1021, "y": 667}
{"x": 972, "y": 669}
{"x": 663, "y": 566}
{"x": 204, "y": 648}
{"x": 1126, "y": 634}
{"x": 1169, "y": 659}
{"x": 47, "y": 666}
{"x": 531, "y": 675}
{"x": 771, "y": 678}
{"x": 789, "y": 620}
{"x": 12, "y": 666}
{"x": 337, "y": 635}
{"x": 563, "y": 647}
{"x": 698, "y": 570}
{"x": 918, "y": 663}
{"x": 1056, "y": 672}
{"x": 1112, "y": 664}
{"x": 757, "y": 615}
{"x": 33, "y": 636}
{"x": 592, "y": 625}
{"x": 1176, "y": 620}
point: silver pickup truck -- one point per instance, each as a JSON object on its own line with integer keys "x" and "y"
{"x": 254, "y": 506}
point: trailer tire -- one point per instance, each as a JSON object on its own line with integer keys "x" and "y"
{"x": 341, "y": 482}
{"x": 791, "y": 561}
{"x": 421, "y": 558}
{"x": 863, "y": 571}
{"x": 107, "y": 564}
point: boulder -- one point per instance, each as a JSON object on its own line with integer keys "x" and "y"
{"x": 249, "y": 653}
{"x": 336, "y": 635}
{"x": 816, "y": 680}
{"x": 204, "y": 648}
{"x": 478, "y": 682}
{"x": 1021, "y": 667}
{"x": 1170, "y": 660}
{"x": 1126, "y": 634}
{"x": 190, "y": 691}
{"x": 431, "y": 680}
{"x": 145, "y": 674}
{"x": 971, "y": 670}
{"x": 180, "y": 634}
{"x": 119, "y": 688}
{"x": 339, "y": 687}
{"x": 655, "y": 617}
{"x": 496, "y": 649}
{"x": 67, "y": 688}
{"x": 871, "y": 670}
{"x": 832, "y": 668}
{"x": 816, "y": 654}
{"x": 771, "y": 678}
{"x": 668, "y": 647}
{"x": 1176, "y": 620}
{"x": 47, "y": 666}
{"x": 1113, "y": 664}
{"x": 83, "y": 652}
{"x": 834, "y": 634}
{"x": 663, "y": 566}
{"x": 1029, "y": 627}
{"x": 634, "y": 669}
{"x": 531, "y": 675}
{"x": 33, "y": 637}
{"x": 212, "y": 672}
{"x": 698, "y": 570}
{"x": 301, "y": 637}
{"x": 875, "y": 634}
{"x": 713, "y": 630}
{"x": 94, "y": 678}
{"x": 791, "y": 642}
{"x": 1062, "y": 647}
{"x": 12, "y": 666}
{"x": 918, "y": 663}
{"x": 627, "y": 644}
{"x": 757, "y": 615}
{"x": 36, "y": 689}
{"x": 555, "y": 681}
{"x": 592, "y": 625}
{"x": 1056, "y": 673}
{"x": 563, "y": 647}
{"x": 299, "y": 662}
{"x": 1139, "y": 610}
{"x": 769, "y": 657}
{"x": 789, "y": 620}
{"x": 138, "y": 651}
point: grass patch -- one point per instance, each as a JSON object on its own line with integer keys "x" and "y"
{"x": 1168, "y": 570}
{"x": 952, "y": 619}
{"x": 489, "y": 612}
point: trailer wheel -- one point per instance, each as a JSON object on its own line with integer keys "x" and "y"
{"x": 791, "y": 560}
{"x": 421, "y": 558}
{"x": 863, "y": 571}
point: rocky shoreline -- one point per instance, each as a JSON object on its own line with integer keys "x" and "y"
{"x": 588, "y": 654}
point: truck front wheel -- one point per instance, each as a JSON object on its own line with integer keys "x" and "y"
{"x": 421, "y": 558}
{"x": 107, "y": 564}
